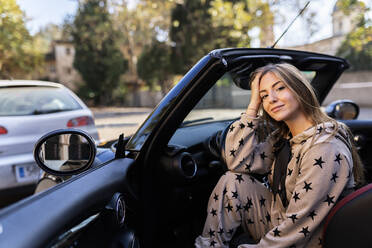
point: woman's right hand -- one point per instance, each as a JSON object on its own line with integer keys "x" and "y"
{"x": 255, "y": 97}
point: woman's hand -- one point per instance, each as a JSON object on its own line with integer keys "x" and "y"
{"x": 255, "y": 97}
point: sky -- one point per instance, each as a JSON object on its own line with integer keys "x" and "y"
{"x": 297, "y": 34}
{"x": 42, "y": 12}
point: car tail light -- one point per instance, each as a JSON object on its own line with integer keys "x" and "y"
{"x": 3, "y": 130}
{"x": 80, "y": 121}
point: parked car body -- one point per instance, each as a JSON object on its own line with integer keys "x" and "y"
{"x": 28, "y": 110}
{"x": 153, "y": 191}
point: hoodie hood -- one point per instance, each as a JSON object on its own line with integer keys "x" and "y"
{"x": 322, "y": 132}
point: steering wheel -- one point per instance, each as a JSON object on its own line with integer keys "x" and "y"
{"x": 216, "y": 142}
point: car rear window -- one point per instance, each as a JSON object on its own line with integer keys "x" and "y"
{"x": 35, "y": 100}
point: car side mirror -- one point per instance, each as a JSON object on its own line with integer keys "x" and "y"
{"x": 343, "y": 110}
{"x": 65, "y": 152}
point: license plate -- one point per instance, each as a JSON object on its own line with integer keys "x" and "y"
{"x": 26, "y": 173}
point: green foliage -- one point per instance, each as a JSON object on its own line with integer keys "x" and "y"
{"x": 357, "y": 47}
{"x": 347, "y": 5}
{"x": 232, "y": 20}
{"x": 98, "y": 57}
{"x": 19, "y": 54}
{"x": 199, "y": 26}
{"x": 46, "y": 36}
{"x": 191, "y": 33}
{"x": 139, "y": 26}
{"x": 154, "y": 65}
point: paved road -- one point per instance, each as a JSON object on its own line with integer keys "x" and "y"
{"x": 111, "y": 122}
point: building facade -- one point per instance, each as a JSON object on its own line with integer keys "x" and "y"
{"x": 59, "y": 65}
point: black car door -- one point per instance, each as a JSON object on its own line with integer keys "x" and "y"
{"x": 42, "y": 218}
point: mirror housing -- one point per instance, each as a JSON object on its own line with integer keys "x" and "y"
{"x": 343, "y": 110}
{"x": 65, "y": 152}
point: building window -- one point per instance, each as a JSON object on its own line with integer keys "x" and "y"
{"x": 68, "y": 51}
{"x": 52, "y": 69}
{"x": 68, "y": 70}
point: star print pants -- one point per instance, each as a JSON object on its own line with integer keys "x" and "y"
{"x": 237, "y": 200}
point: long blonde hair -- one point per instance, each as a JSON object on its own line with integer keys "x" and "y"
{"x": 305, "y": 95}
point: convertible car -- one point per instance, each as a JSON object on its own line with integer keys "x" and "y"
{"x": 152, "y": 189}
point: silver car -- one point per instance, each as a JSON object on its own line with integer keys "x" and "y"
{"x": 28, "y": 110}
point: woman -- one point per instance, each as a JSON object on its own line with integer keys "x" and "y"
{"x": 309, "y": 160}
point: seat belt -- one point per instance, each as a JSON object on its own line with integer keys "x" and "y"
{"x": 283, "y": 155}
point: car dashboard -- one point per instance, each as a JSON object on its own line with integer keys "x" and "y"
{"x": 187, "y": 173}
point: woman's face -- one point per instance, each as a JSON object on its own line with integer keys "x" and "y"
{"x": 277, "y": 99}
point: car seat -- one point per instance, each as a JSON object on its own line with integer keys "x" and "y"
{"x": 349, "y": 222}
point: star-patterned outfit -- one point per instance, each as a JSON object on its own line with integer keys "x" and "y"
{"x": 319, "y": 172}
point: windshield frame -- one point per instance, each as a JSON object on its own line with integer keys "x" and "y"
{"x": 162, "y": 110}
{"x": 162, "y": 120}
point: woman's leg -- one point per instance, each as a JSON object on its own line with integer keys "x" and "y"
{"x": 238, "y": 199}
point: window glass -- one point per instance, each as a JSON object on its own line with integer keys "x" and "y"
{"x": 309, "y": 75}
{"x": 17, "y": 101}
{"x": 224, "y": 101}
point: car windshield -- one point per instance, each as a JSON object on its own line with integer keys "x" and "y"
{"x": 224, "y": 101}
{"x": 35, "y": 100}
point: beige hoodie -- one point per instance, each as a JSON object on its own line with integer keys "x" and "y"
{"x": 319, "y": 172}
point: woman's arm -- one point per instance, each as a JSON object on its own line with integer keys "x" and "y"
{"x": 243, "y": 152}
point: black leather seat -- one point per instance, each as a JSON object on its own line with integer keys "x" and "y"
{"x": 349, "y": 224}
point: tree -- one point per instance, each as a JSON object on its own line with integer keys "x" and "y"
{"x": 190, "y": 33}
{"x": 233, "y": 19}
{"x": 46, "y": 35}
{"x": 190, "y": 29}
{"x": 98, "y": 57}
{"x": 357, "y": 47}
{"x": 199, "y": 26}
{"x": 148, "y": 21}
{"x": 154, "y": 65}
{"x": 18, "y": 52}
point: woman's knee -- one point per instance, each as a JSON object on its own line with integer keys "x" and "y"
{"x": 238, "y": 179}
{"x": 236, "y": 184}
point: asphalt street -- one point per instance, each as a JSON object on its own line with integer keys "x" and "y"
{"x": 113, "y": 121}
